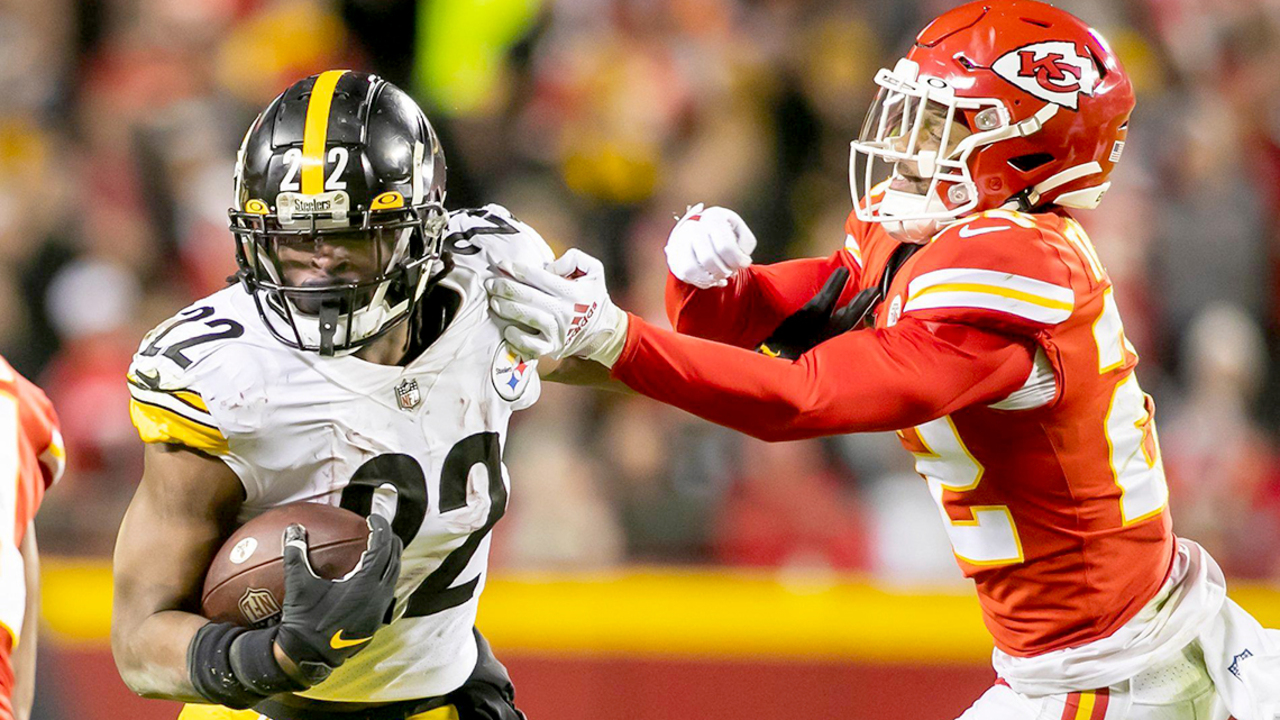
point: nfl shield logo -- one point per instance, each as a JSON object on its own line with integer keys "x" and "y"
{"x": 407, "y": 394}
{"x": 258, "y": 606}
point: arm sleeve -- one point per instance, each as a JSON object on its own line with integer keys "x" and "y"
{"x": 744, "y": 312}
{"x": 861, "y": 381}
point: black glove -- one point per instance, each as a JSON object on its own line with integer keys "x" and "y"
{"x": 816, "y": 322}
{"x": 324, "y": 622}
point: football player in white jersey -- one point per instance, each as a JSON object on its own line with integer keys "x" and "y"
{"x": 355, "y": 363}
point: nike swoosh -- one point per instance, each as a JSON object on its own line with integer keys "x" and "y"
{"x": 337, "y": 642}
{"x": 151, "y": 381}
{"x": 968, "y": 232}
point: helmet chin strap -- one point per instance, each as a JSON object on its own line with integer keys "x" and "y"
{"x": 328, "y": 326}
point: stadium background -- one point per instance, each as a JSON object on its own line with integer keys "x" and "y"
{"x": 651, "y": 565}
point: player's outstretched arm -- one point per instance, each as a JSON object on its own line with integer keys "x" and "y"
{"x": 883, "y": 379}
{"x": 183, "y": 508}
{"x": 863, "y": 381}
{"x": 715, "y": 292}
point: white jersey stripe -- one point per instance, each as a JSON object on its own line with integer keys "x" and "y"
{"x": 12, "y": 572}
{"x": 851, "y": 245}
{"x": 1046, "y": 293}
{"x": 1025, "y": 297}
{"x": 988, "y": 301}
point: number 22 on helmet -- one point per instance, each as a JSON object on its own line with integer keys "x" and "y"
{"x": 339, "y": 217}
{"x": 999, "y": 104}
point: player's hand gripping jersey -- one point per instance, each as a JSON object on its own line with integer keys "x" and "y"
{"x": 999, "y": 357}
{"x": 31, "y": 461}
{"x": 297, "y": 425}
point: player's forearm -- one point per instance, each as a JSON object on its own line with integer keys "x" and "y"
{"x": 858, "y": 382}
{"x": 24, "y": 660}
{"x": 744, "y": 312}
{"x": 152, "y": 655}
{"x": 184, "y": 507}
{"x": 577, "y": 371}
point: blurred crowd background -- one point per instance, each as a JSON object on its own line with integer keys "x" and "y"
{"x": 597, "y": 122}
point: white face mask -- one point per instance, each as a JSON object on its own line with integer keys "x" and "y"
{"x": 911, "y": 144}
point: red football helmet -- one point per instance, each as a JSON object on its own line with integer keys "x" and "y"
{"x": 1000, "y": 103}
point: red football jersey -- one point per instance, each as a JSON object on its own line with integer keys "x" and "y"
{"x": 1054, "y": 498}
{"x": 32, "y": 460}
{"x": 999, "y": 355}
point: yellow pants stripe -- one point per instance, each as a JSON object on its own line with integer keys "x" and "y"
{"x": 1087, "y": 699}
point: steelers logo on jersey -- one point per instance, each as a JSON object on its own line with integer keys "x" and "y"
{"x": 511, "y": 372}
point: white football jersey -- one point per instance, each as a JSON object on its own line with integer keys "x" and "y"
{"x": 422, "y": 443}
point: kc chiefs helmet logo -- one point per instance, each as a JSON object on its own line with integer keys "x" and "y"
{"x": 1052, "y": 71}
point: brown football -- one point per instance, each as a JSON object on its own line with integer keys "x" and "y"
{"x": 245, "y": 582}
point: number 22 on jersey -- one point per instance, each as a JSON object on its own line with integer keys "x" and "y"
{"x": 988, "y": 535}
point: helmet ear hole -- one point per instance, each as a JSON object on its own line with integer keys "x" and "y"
{"x": 1027, "y": 163}
{"x": 1098, "y": 65}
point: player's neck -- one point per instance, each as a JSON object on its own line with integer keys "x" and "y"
{"x": 411, "y": 338}
{"x": 388, "y": 349}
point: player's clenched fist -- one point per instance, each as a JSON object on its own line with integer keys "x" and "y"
{"x": 707, "y": 246}
{"x": 324, "y": 622}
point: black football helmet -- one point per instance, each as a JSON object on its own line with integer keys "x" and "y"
{"x": 339, "y": 215}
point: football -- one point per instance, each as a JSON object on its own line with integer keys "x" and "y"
{"x": 245, "y": 582}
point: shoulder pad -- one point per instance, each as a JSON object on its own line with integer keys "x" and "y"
{"x": 37, "y": 420}
{"x": 165, "y": 378}
{"x": 995, "y": 269}
{"x": 492, "y": 233}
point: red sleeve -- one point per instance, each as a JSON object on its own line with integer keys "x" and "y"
{"x": 868, "y": 380}
{"x": 744, "y": 312}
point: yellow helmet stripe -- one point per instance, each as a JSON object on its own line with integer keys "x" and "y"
{"x": 316, "y": 131}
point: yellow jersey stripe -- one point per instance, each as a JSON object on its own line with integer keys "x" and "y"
{"x": 995, "y": 290}
{"x": 316, "y": 131}
{"x": 190, "y": 398}
{"x": 156, "y": 424}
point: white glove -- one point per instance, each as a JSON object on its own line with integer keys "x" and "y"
{"x": 560, "y": 310}
{"x": 706, "y": 247}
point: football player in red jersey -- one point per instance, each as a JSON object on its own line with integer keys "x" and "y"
{"x": 31, "y": 460}
{"x": 995, "y": 349}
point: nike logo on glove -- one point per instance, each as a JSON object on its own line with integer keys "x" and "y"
{"x": 337, "y": 642}
{"x": 968, "y": 232}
